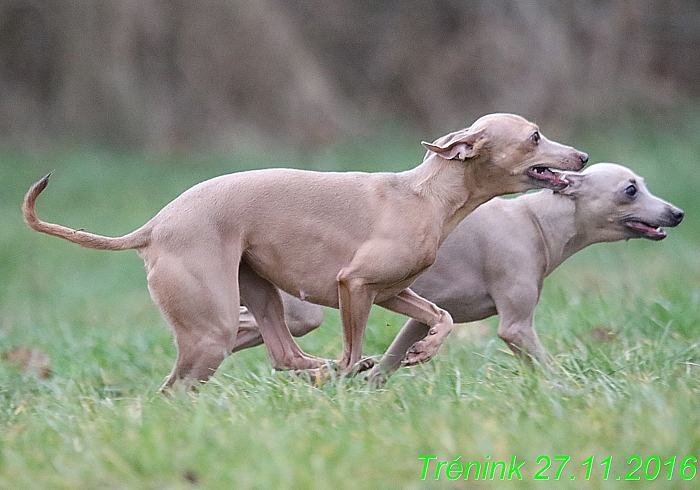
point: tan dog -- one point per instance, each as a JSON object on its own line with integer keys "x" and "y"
{"x": 344, "y": 240}
{"x": 496, "y": 260}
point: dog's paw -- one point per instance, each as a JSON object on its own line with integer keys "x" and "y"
{"x": 422, "y": 351}
{"x": 376, "y": 379}
{"x": 365, "y": 364}
{"x": 332, "y": 370}
{"x": 418, "y": 354}
{"x": 319, "y": 376}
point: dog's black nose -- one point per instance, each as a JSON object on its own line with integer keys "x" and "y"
{"x": 677, "y": 215}
{"x": 583, "y": 157}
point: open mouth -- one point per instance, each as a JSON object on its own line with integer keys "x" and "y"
{"x": 547, "y": 177}
{"x": 645, "y": 230}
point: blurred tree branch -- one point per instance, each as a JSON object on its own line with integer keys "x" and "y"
{"x": 176, "y": 75}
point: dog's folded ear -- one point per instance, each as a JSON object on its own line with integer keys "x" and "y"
{"x": 460, "y": 145}
{"x": 575, "y": 181}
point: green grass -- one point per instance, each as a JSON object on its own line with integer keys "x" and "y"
{"x": 99, "y": 423}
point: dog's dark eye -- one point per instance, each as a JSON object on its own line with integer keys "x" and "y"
{"x": 535, "y": 138}
{"x": 631, "y": 191}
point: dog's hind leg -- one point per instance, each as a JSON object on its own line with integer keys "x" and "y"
{"x": 263, "y": 300}
{"x": 300, "y": 316}
{"x": 200, "y": 301}
{"x": 248, "y": 331}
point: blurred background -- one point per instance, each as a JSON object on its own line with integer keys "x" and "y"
{"x": 176, "y": 76}
{"x": 131, "y": 102}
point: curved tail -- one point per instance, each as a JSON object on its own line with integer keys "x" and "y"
{"x": 136, "y": 239}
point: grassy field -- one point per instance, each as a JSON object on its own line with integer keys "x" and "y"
{"x": 98, "y": 423}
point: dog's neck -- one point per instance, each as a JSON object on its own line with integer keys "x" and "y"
{"x": 452, "y": 188}
{"x": 555, "y": 217}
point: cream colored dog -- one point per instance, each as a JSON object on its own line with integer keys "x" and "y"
{"x": 495, "y": 262}
{"x": 344, "y": 240}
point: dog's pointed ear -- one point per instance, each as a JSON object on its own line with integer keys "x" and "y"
{"x": 460, "y": 145}
{"x": 575, "y": 181}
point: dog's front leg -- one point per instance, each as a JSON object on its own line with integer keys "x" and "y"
{"x": 355, "y": 301}
{"x": 427, "y": 316}
{"x": 402, "y": 345}
{"x": 516, "y": 309}
{"x": 522, "y": 339}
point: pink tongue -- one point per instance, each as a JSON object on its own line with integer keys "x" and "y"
{"x": 645, "y": 228}
{"x": 558, "y": 180}
{"x": 551, "y": 176}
